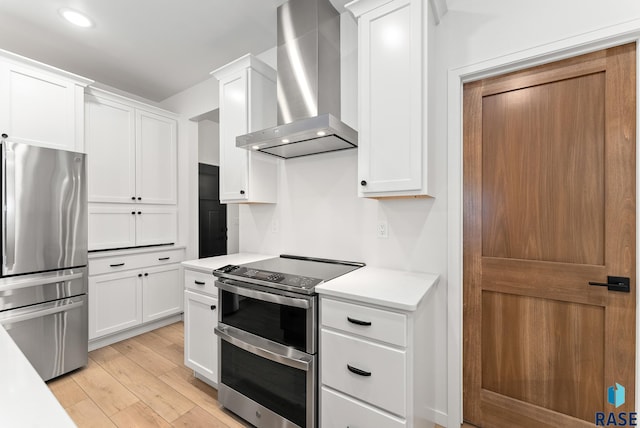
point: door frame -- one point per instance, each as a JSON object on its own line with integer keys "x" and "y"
{"x": 593, "y": 41}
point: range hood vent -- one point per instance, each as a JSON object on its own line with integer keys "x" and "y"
{"x": 308, "y": 85}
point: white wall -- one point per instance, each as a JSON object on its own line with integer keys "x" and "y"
{"x": 209, "y": 142}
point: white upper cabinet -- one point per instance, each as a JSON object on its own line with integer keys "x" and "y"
{"x": 156, "y": 158}
{"x": 132, "y": 152}
{"x": 392, "y": 150}
{"x": 41, "y": 105}
{"x": 247, "y": 104}
{"x": 111, "y": 144}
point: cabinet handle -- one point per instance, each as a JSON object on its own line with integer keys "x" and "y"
{"x": 358, "y": 371}
{"x": 358, "y": 322}
{"x": 146, "y": 274}
{"x": 363, "y": 183}
{"x": 133, "y": 213}
{"x": 139, "y": 198}
{"x": 133, "y": 198}
{"x": 139, "y": 212}
{"x": 164, "y": 258}
{"x": 213, "y": 307}
{"x": 199, "y": 282}
{"x": 117, "y": 264}
{"x": 139, "y": 275}
{"x": 242, "y": 192}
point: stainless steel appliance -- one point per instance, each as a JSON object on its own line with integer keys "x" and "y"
{"x": 43, "y": 285}
{"x": 308, "y": 85}
{"x": 268, "y": 330}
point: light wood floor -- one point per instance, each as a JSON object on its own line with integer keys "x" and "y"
{"x": 141, "y": 382}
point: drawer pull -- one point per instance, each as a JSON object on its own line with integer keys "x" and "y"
{"x": 213, "y": 307}
{"x": 358, "y": 322}
{"x": 358, "y": 371}
{"x": 164, "y": 258}
{"x": 117, "y": 265}
{"x": 199, "y": 282}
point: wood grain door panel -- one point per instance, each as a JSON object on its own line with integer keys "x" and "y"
{"x": 549, "y": 205}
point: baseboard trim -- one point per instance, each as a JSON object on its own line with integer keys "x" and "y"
{"x": 205, "y": 380}
{"x": 129, "y": 333}
{"x": 437, "y": 416}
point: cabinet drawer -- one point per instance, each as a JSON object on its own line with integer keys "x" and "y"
{"x": 200, "y": 282}
{"x": 385, "y": 326}
{"x": 163, "y": 257}
{"x": 134, "y": 261}
{"x": 383, "y": 370}
{"x": 339, "y": 411}
{"x": 116, "y": 263}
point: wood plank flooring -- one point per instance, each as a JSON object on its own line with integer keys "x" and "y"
{"x": 141, "y": 382}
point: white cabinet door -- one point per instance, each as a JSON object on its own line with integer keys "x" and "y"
{"x": 233, "y": 122}
{"x": 156, "y": 225}
{"x": 111, "y": 146}
{"x": 115, "y": 302}
{"x": 162, "y": 289}
{"x": 391, "y": 156}
{"x": 112, "y": 226}
{"x": 38, "y": 108}
{"x": 200, "y": 343}
{"x": 156, "y": 179}
{"x": 247, "y": 104}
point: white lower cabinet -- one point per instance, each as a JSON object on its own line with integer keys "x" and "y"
{"x": 369, "y": 372}
{"x": 339, "y": 411}
{"x": 115, "y": 302}
{"x": 129, "y": 290}
{"x": 200, "y": 343}
{"x": 162, "y": 292}
{"x": 200, "y": 319}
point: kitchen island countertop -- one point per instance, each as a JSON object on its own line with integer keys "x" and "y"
{"x": 207, "y": 265}
{"x": 25, "y": 400}
{"x": 390, "y": 288}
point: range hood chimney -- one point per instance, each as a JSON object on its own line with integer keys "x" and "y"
{"x": 308, "y": 85}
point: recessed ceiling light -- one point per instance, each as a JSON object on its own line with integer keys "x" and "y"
{"x": 285, "y": 140}
{"x": 321, "y": 133}
{"x": 255, "y": 147}
{"x": 76, "y": 18}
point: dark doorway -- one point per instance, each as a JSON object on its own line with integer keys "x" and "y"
{"x": 212, "y": 215}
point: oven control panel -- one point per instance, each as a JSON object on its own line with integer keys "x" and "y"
{"x": 241, "y": 272}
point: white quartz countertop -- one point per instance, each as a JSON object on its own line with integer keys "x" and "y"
{"x": 392, "y": 289}
{"x": 25, "y": 400}
{"x": 210, "y": 263}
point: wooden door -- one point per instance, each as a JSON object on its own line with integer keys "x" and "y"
{"x": 549, "y": 205}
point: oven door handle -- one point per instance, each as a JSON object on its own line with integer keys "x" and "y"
{"x": 227, "y": 335}
{"x": 264, "y": 296}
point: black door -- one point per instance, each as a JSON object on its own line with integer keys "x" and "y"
{"x": 212, "y": 215}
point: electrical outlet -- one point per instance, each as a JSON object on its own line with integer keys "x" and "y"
{"x": 382, "y": 230}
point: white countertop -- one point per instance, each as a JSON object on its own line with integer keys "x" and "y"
{"x": 392, "y": 289}
{"x": 210, "y": 263}
{"x": 25, "y": 400}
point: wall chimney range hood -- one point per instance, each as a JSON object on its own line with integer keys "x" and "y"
{"x": 308, "y": 85}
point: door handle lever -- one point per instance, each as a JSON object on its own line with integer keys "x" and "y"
{"x": 615, "y": 283}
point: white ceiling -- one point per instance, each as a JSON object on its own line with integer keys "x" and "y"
{"x": 150, "y": 48}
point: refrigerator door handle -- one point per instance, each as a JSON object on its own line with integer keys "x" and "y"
{"x": 9, "y": 209}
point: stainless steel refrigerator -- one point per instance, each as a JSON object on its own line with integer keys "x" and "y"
{"x": 43, "y": 286}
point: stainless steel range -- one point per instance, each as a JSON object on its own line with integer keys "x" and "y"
{"x": 268, "y": 330}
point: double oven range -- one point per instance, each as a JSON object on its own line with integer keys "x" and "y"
{"x": 268, "y": 330}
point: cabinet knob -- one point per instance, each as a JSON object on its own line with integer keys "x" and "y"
{"x": 139, "y": 275}
{"x": 213, "y": 307}
{"x": 146, "y": 274}
{"x": 133, "y": 213}
{"x": 139, "y": 212}
{"x": 242, "y": 192}
{"x": 4, "y": 135}
{"x": 139, "y": 198}
{"x": 133, "y": 198}
{"x": 363, "y": 183}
